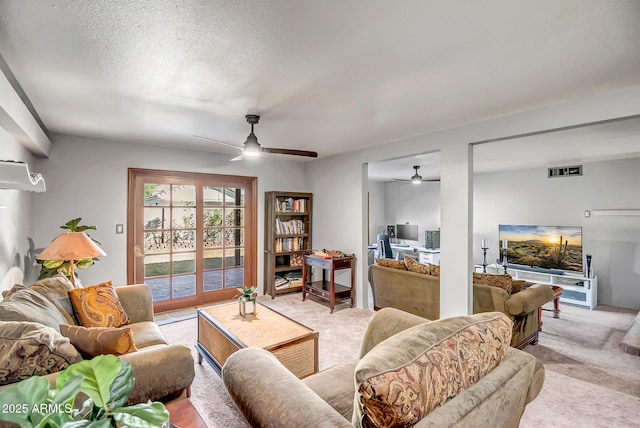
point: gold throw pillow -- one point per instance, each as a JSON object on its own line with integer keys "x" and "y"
{"x": 94, "y": 341}
{"x": 500, "y": 281}
{"x": 98, "y": 306}
{"x": 415, "y": 266}
{"x": 390, "y": 263}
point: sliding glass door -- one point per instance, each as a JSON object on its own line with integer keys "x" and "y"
{"x": 191, "y": 237}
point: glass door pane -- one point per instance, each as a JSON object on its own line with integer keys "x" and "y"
{"x": 169, "y": 236}
{"x": 223, "y": 237}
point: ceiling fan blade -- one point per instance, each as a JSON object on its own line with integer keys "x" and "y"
{"x": 218, "y": 142}
{"x": 291, "y": 152}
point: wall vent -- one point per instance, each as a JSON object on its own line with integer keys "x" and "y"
{"x": 565, "y": 171}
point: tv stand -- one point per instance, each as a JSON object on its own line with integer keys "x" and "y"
{"x": 576, "y": 289}
{"x": 538, "y": 270}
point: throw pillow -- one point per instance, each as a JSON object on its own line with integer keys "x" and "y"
{"x": 390, "y": 263}
{"x": 415, "y": 266}
{"x": 500, "y": 281}
{"x": 98, "y": 306}
{"x": 405, "y": 377}
{"x": 94, "y": 341}
{"x": 435, "y": 270}
{"x": 27, "y": 304}
{"x": 516, "y": 285}
{"x": 30, "y": 349}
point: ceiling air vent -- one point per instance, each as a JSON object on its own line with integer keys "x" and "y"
{"x": 565, "y": 171}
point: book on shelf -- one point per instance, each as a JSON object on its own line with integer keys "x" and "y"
{"x": 289, "y": 244}
{"x": 291, "y": 205}
{"x": 294, "y": 278}
{"x": 281, "y": 283}
{"x": 289, "y": 227}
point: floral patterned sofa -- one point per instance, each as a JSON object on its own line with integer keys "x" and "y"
{"x": 411, "y": 372}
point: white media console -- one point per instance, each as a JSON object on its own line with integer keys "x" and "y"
{"x": 577, "y": 289}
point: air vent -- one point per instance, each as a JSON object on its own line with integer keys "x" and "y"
{"x": 565, "y": 171}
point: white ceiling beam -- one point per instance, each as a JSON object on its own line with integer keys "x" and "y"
{"x": 17, "y": 120}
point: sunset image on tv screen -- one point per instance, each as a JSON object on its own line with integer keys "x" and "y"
{"x": 548, "y": 247}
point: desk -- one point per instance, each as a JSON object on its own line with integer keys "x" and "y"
{"x": 424, "y": 255}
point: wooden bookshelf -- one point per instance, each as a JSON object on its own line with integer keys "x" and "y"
{"x": 287, "y": 239}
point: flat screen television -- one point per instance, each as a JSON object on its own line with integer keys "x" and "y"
{"x": 543, "y": 247}
{"x": 407, "y": 232}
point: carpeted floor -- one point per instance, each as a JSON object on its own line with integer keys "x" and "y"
{"x": 589, "y": 381}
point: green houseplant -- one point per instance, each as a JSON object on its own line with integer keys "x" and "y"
{"x": 106, "y": 380}
{"x": 50, "y": 268}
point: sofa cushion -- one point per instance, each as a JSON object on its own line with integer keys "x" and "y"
{"x": 405, "y": 377}
{"x": 147, "y": 333}
{"x": 500, "y": 281}
{"x": 93, "y": 341}
{"x": 98, "y": 306}
{"x": 395, "y": 264}
{"x": 30, "y": 349}
{"x": 335, "y": 386}
{"x": 415, "y": 266}
{"x": 27, "y": 304}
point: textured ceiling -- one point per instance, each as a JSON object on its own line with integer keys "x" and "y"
{"x": 330, "y": 76}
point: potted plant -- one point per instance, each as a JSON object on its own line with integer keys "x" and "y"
{"x": 246, "y": 295}
{"x": 106, "y": 380}
{"x": 50, "y": 268}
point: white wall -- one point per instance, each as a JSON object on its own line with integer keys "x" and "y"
{"x": 414, "y": 203}
{"x": 16, "y": 222}
{"x": 88, "y": 178}
{"x": 340, "y": 187}
{"x": 529, "y": 197}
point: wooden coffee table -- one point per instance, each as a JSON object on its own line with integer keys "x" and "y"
{"x": 222, "y": 331}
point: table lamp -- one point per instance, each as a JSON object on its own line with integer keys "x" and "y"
{"x": 71, "y": 246}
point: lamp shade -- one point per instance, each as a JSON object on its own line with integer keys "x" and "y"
{"x": 71, "y": 246}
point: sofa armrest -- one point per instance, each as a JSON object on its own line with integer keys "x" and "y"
{"x": 489, "y": 299}
{"x": 529, "y": 299}
{"x": 159, "y": 371}
{"x": 136, "y": 301}
{"x": 386, "y": 323}
{"x": 251, "y": 374}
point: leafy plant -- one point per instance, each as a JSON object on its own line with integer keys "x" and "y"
{"x": 107, "y": 380}
{"x": 246, "y": 293}
{"x": 50, "y": 268}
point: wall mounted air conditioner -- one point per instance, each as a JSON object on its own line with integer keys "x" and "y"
{"x": 16, "y": 175}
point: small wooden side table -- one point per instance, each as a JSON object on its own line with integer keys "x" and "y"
{"x": 324, "y": 289}
{"x": 557, "y": 292}
{"x": 184, "y": 415}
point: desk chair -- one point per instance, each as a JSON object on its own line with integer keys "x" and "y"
{"x": 384, "y": 246}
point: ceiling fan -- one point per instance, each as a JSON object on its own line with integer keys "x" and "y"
{"x": 252, "y": 148}
{"x": 417, "y": 178}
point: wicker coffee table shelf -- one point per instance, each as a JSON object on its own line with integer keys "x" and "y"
{"x": 222, "y": 331}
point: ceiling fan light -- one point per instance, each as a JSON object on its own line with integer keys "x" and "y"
{"x": 251, "y": 146}
{"x": 416, "y": 178}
